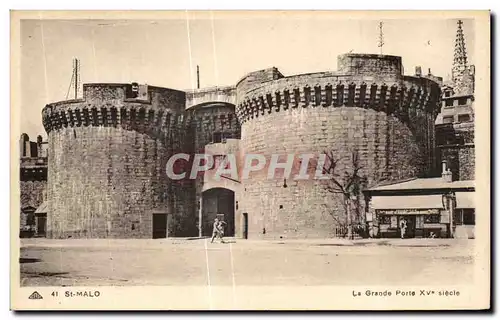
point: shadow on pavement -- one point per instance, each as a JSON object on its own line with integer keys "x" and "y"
{"x": 341, "y": 244}
{"x": 46, "y": 274}
{"x": 29, "y": 260}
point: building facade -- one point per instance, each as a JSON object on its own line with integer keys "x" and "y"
{"x": 108, "y": 151}
{"x": 431, "y": 208}
{"x": 33, "y": 184}
{"x": 442, "y": 206}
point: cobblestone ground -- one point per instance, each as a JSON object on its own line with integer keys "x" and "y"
{"x": 245, "y": 262}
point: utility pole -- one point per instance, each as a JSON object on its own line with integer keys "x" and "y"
{"x": 381, "y": 36}
{"x": 76, "y": 75}
{"x": 75, "y": 79}
{"x": 198, "y": 76}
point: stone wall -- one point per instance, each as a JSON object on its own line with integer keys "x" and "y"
{"x": 104, "y": 182}
{"x": 387, "y": 150}
{"x": 33, "y": 193}
{"x": 466, "y": 158}
{"x": 370, "y": 65}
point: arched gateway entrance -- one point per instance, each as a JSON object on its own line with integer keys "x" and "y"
{"x": 217, "y": 201}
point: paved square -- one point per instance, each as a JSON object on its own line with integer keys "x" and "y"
{"x": 172, "y": 262}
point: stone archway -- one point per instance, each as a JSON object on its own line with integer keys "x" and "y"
{"x": 218, "y": 201}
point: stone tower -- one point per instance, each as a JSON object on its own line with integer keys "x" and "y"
{"x": 108, "y": 153}
{"x": 368, "y": 107}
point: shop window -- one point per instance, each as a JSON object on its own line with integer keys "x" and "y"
{"x": 419, "y": 221}
{"x": 458, "y": 217}
{"x": 469, "y": 217}
{"x": 384, "y": 219}
{"x": 394, "y": 222}
{"x": 432, "y": 218}
{"x": 463, "y": 118}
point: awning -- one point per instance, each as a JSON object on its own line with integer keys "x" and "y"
{"x": 465, "y": 200}
{"x": 42, "y": 208}
{"x": 433, "y": 201}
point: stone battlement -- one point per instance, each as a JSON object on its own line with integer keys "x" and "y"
{"x": 398, "y": 100}
{"x": 146, "y": 109}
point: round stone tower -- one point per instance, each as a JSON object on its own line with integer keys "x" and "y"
{"x": 108, "y": 153}
{"x": 367, "y": 111}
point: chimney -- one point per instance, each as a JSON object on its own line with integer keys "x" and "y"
{"x": 472, "y": 70}
{"x": 39, "y": 141}
{"x": 418, "y": 71}
{"x": 429, "y": 73}
{"x": 446, "y": 173}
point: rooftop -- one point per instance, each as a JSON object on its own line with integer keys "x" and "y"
{"x": 426, "y": 183}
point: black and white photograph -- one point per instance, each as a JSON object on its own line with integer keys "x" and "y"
{"x": 250, "y": 160}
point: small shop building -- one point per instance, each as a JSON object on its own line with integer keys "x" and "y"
{"x": 430, "y": 207}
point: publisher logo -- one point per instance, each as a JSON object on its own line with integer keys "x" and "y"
{"x": 35, "y": 296}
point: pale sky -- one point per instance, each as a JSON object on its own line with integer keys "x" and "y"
{"x": 163, "y": 52}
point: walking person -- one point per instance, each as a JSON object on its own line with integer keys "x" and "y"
{"x": 403, "y": 227}
{"x": 215, "y": 230}
{"x": 221, "y": 226}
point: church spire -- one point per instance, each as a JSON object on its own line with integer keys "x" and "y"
{"x": 461, "y": 73}
{"x": 460, "y": 57}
